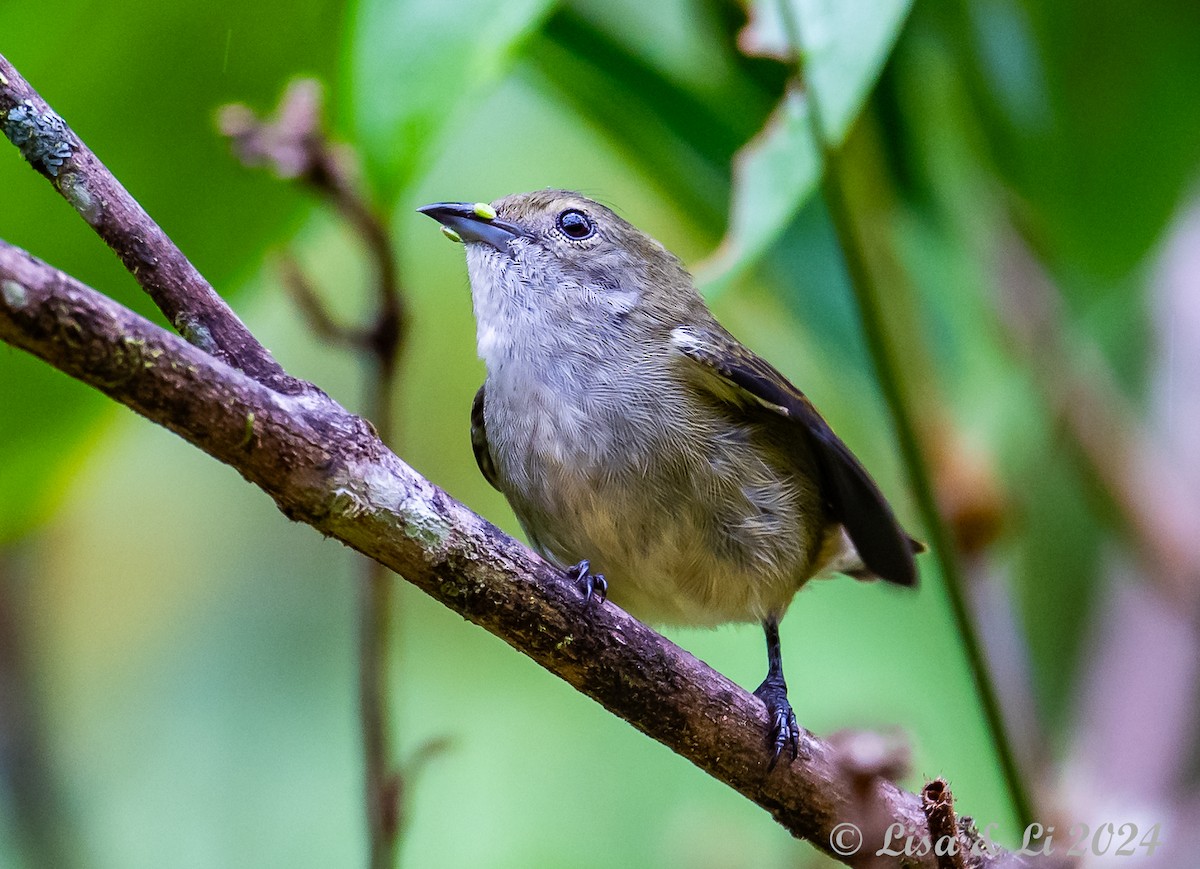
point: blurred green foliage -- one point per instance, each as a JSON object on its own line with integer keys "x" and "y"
{"x": 140, "y": 86}
{"x": 195, "y": 652}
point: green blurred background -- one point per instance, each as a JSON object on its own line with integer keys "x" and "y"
{"x": 178, "y": 660}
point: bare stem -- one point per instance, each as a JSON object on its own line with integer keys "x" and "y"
{"x": 294, "y": 143}
{"x": 311, "y": 307}
{"x": 385, "y": 785}
{"x": 938, "y": 803}
{"x": 868, "y": 296}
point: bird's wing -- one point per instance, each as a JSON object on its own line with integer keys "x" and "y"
{"x": 479, "y": 441}
{"x": 732, "y": 373}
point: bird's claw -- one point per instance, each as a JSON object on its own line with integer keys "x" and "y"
{"x": 785, "y": 732}
{"x": 593, "y": 584}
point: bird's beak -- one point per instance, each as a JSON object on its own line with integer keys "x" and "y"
{"x": 474, "y": 221}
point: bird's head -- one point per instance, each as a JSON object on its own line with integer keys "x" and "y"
{"x": 557, "y": 252}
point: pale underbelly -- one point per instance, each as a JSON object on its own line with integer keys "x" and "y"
{"x": 711, "y": 526}
{"x": 687, "y": 563}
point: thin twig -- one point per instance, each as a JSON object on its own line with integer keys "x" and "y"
{"x": 410, "y": 773}
{"x": 294, "y": 145}
{"x": 938, "y": 803}
{"x": 391, "y": 321}
{"x": 170, "y": 279}
{"x": 325, "y": 467}
{"x": 383, "y": 782}
{"x": 867, "y": 294}
{"x": 314, "y": 311}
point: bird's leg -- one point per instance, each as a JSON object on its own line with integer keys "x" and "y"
{"x": 591, "y": 583}
{"x": 773, "y": 693}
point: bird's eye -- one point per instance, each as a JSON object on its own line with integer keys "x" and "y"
{"x": 575, "y": 224}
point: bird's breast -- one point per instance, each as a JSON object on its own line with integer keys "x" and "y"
{"x": 692, "y": 521}
{"x": 585, "y": 417}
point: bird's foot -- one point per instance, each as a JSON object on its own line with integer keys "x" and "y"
{"x": 592, "y": 584}
{"x": 785, "y": 732}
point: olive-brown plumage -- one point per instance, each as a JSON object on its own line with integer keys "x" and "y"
{"x": 636, "y": 438}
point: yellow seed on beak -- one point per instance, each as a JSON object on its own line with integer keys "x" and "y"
{"x": 451, "y": 234}
{"x": 482, "y": 209}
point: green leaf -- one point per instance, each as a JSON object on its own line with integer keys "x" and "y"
{"x": 415, "y": 66}
{"x": 1098, "y": 154}
{"x": 681, "y": 127}
{"x": 846, "y": 43}
{"x": 772, "y": 176}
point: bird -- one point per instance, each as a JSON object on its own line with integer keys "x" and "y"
{"x": 641, "y": 446}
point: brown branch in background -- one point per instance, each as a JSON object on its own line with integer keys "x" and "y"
{"x": 868, "y": 758}
{"x": 325, "y": 467}
{"x": 180, "y": 292}
{"x": 314, "y": 311}
{"x": 938, "y": 803}
{"x": 44, "y": 834}
{"x": 1156, "y": 507}
{"x": 294, "y": 144}
{"x": 412, "y": 769}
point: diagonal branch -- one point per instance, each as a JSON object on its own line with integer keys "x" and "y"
{"x": 326, "y": 467}
{"x": 181, "y": 293}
